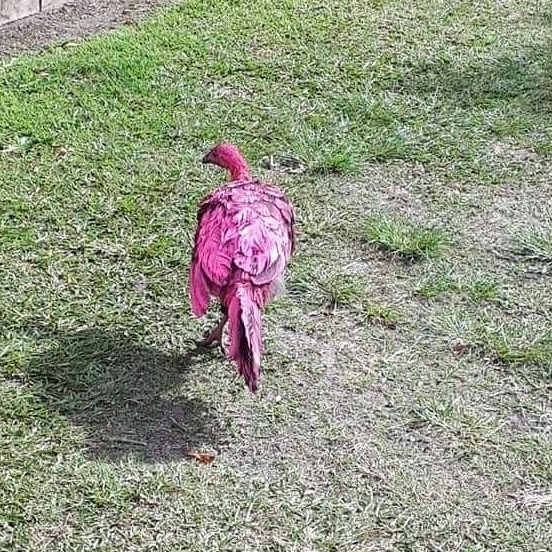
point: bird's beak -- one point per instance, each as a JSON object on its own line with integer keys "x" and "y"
{"x": 206, "y": 158}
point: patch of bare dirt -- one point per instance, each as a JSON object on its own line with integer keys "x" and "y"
{"x": 72, "y": 21}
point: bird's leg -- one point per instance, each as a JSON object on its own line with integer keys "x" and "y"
{"x": 214, "y": 337}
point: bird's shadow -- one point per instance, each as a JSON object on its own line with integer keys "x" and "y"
{"x": 129, "y": 399}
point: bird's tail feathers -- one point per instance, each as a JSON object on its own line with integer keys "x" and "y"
{"x": 245, "y": 328}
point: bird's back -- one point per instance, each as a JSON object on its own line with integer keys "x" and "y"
{"x": 245, "y": 232}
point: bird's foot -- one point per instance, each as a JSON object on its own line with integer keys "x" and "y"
{"x": 209, "y": 341}
{"x": 211, "y": 344}
{"x": 214, "y": 338}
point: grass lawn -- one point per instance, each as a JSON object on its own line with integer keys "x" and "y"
{"x": 406, "y": 392}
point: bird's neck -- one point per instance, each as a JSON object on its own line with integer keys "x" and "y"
{"x": 239, "y": 172}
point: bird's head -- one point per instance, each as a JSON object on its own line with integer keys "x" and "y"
{"x": 228, "y": 157}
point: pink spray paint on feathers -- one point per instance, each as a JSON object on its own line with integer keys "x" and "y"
{"x": 245, "y": 236}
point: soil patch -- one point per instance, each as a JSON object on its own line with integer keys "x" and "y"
{"x": 72, "y": 21}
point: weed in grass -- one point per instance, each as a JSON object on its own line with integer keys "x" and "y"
{"x": 324, "y": 287}
{"x": 450, "y": 415}
{"x": 514, "y": 348}
{"x": 436, "y": 285}
{"x": 535, "y": 243}
{"x": 511, "y": 343}
{"x": 476, "y": 287}
{"x": 338, "y": 290}
{"x": 483, "y": 290}
{"x": 384, "y": 315}
{"x": 337, "y": 162}
{"x": 404, "y": 238}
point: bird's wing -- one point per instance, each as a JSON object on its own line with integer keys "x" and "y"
{"x": 212, "y": 255}
{"x": 264, "y": 232}
{"x": 286, "y": 211}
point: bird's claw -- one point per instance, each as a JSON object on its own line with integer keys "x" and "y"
{"x": 214, "y": 337}
{"x": 206, "y": 343}
{"x": 210, "y": 343}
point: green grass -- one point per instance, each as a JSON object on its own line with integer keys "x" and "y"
{"x": 522, "y": 344}
{"x": 404, "y": 238}
{"x": 329, "y": 289}
{"x": 444, "y": 281}
{"x": 514, "y": 348}
{"x": 454, "y": 418}
{"x": 386, "y": 421}
{"x": 535, "y": 243}
{"x": 385, "y": 315}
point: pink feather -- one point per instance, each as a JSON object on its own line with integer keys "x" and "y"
{"x": 244, "y": 239}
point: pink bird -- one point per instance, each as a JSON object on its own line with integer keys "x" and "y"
{"x": 245, "y": 236}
